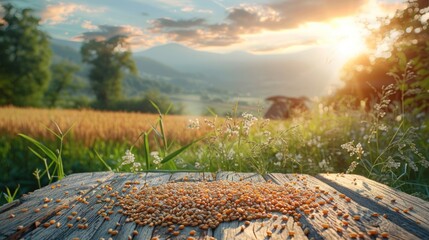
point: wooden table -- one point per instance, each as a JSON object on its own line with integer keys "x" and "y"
{"x": 401, "y": 215}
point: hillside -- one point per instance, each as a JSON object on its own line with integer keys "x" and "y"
{"x": 249, "y": 74}
{"x": 233, "y": 74}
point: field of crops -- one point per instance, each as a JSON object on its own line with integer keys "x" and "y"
{"x": 391, "y": 148}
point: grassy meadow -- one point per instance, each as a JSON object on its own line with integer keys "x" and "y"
{"x": 382, "y": 144}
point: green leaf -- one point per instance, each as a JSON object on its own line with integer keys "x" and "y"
{"x": 177, "y": 152}
{"x": 156, "y": 107}
{"x": 42, "y": 147}
{"x": 210, "y": 110}
{"x": 101, "y": 159}
{"x": 146, "y": 149}
{"x": 168, "y": 109}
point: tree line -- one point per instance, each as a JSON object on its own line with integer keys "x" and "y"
{"x": 397, "y": 53}
{"x": 29, "y": 78}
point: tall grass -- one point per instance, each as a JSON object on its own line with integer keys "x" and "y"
{"x": 385, "y": 143}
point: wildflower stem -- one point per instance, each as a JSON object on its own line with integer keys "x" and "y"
{"x": 389, "y": 145}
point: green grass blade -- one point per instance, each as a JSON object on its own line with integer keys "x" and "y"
{"x": 68, "y": 130}
{"x": 42, "y": 147}
{"x": 156, "y": 107}
{"x": 210, "y": 110}
{"x": 168, "y": 109}
{"x": 164, "y": 138}
{"x": 177, "y": 152}
{"x": 53, "y": 132}
{"x": 36, "y": 153}
{"x": 146, "y": 149}
{"x": 102, "y": 161}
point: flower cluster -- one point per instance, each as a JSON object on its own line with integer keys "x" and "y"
{"x": 129, "y": 158}
{"x": 156, "y": 158}
{"x": 249, "y": 120}
{"x": 352, "y": 167}
{"x": 390, "y": 163}
{"x": 358, "y": 150}
{"x": 194, "y": 124}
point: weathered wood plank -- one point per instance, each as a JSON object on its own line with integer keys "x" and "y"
{"x": 151, "y": 179}
{"x": 33, "y": 207}
{"x": 257, "y": 229}
{"x": 330, "y": 197}
{"x": 85, "y": 208}
{"x": 116, "y": 220}
{"x": 8, "y": 206}
{"x": 408, "y": 212}
{"x": 88, "y": 193}
{"x": 231, "y": 230}
{"x": 162, "y": 232}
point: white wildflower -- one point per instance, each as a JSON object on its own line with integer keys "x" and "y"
{"x": 230, "y": 155}
{"x": 424, "y": 163}
{"x": 194, "y": 124}
{"x": 128, "y": 158}
{"x": 136, "y": 167}
{"x": 382, "y": 127}
{"x": 156, "y": 158}
{"x": 398, "y": 118}
{"x": 358, "y": 150}
{"x": 279, "y": 156}
{"x": 197, "y": 165}
{"x": 390, "y": 163}
{"x": 232, "y": 130}
{"x": 209, "y": 123}
{"x": 352, "y": 167}
{"x": 323, "y": 164}
{"x": 249, "y": 120}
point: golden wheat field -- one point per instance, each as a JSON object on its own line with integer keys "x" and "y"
{"x": 89, "y": 126}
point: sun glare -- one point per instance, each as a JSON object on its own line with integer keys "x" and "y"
{"x": 348, "y": 39}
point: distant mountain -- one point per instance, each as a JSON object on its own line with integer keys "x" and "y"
{"x": 153, "y": 74}
{"x": 64, "y": 52}
{"x": 67, "y": 43}
{"x": 236, "y": 73}
{"x": 244, "y": 73}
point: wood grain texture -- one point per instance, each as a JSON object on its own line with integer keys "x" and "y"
{"x": 408, "y": 212}
{"x": 332, "y": 198}
{"x": 232, "y": 230}
{"x": 33, "y": 208}
{"x": 88, "y": 194}
{"x": 162, "y": 232}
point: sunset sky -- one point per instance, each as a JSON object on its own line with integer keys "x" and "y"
{"x": 221, "y": 26}
{"x": 257, "y": 26}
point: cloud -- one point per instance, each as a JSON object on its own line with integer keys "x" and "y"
{"x": 285, "y": 46}
{"x": 175, "y": 3}
{"x": 59, "y": 13}
{"x": 88, "y": 25}
{"x": 135, "y": 36}
{"x": 189, "y": 9}
{"x": 253, "y": 18}
{"x": 290, "y": 14}
{"x": 161, "y": 23}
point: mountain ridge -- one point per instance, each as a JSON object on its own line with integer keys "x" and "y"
{"x": 244, "y": 73}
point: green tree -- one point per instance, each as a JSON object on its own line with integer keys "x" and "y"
{"x": 399, "y": 44}
{"x": 108, "y": 66}
{"x": 63, "y": 74}
{"x": 25, "y": 58}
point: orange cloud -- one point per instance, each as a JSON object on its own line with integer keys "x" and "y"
{"x": 59, "y": 13}
{"x": 252, "y": 19}
{"x": 135, "y": 36}
{"x": 88, "y": 25}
